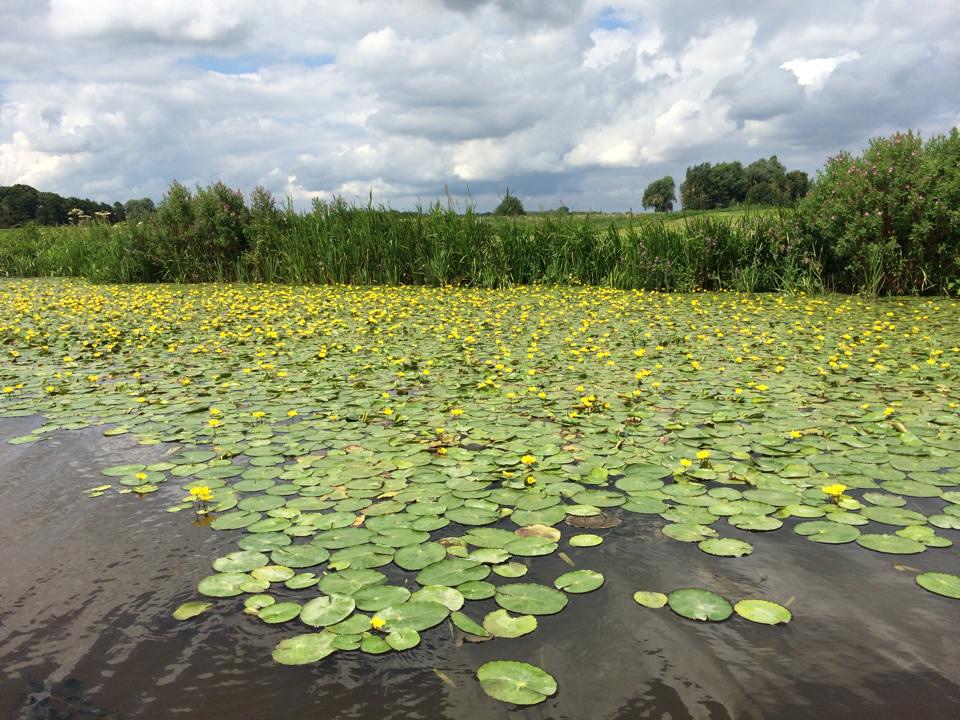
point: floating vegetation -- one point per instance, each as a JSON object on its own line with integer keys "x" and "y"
{"x": 387, "y": 457}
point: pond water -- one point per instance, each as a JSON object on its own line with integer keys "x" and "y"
{"x": 87, "y": 588}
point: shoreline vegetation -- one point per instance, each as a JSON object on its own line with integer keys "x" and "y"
{"x": 884, "y": 222}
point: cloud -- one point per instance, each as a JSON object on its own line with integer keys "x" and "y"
{"x": 576, "y": 101}
{"x": 812, "y": 73}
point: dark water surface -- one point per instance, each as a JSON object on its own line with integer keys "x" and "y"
{"x": 88, "y": 586}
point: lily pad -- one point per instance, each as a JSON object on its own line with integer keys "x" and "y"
{"x": 763, "y": 612}
{"x": 500, "y": 623}
{"x": 940, "y": 584}
{"x": 304, "y": 649}
{"x": 696, "y": 604}
{"x": 327, "y": 610}
{"x": 223, "y": 584}
{"x": 650, "y": 599}
{"x": 191, "y": 609}
{"x": 530, "y": 598}
{"x": 725, "y": 547}
{"x": 579, "y": 581}
{"x": 892, "y": 544}
{"x": 516, "y": 682}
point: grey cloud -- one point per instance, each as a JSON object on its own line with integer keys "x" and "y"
{"x": 534, "y": 12}
{"x": 494, "y": 91}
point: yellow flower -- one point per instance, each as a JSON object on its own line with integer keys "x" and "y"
{"x": 531, "y": 480}
{"x": 835, "y": 490}
{"x": 258, "y": 414}
{"x": 761, "y": 387}
{"x": 201, "y": 493}
{"x": 7, "y": 389}
{"x": 795, "y": 433}
{"x": 292, "y": 413}
{"x": 213, "y": 422}
{"x": 214, "y": 411}
{"x": 703, "y": 454}
{"x": 388, "y": 411}
{"x": 50, "y": 389}
{"x": 441, "y": 451}
{"x": 528, "y": 459}
{"x": 141, "y": 476}
{"x": 888, "y": 411}
{"x": 377, "y": 622}
{"x": 685, "y": 462}
{"x": 456, "y": 412}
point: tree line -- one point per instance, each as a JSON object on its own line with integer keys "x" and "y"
{"x": 710, "y": 186}
{"x": 22, "y": 204}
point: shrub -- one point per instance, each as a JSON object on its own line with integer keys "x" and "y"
{"x": 510, "y": 205}
{"x": 889, "y": 220}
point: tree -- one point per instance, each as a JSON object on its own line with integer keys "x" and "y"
{"x": 728, "y": 184}
{"x": 696, "y": 188}
{"x": 797, "y": 185}
{"x": 510, "y": 205}
{"x": 139, "y": 210}
{"x": 659, "y": 195}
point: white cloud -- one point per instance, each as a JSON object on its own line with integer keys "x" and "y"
{"x": 312, "y": 98}
{"x": 812, "y": 73}
{"x": 191, "y": 21}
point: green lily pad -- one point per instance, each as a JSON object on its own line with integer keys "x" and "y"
{"x": 579, "y": 581}
{"x": 725, "y": 547}
{"x": 516, "y": 682}
{"x": 471, "y": 627}
{"x": 191, "y": 609}
{"x": 530, "y": 599}
{"x": 304, "y": 649}
{"x": 414, "y": 614}
{"x": 327, "y": 610}
{"x": 376, "y": 597}
{"x": 417, "y": 557}
{"x": 891, "y": 544}
{"x": 223, "y": 584}
{"x": 403, "y": 638}
{"x": 940, "y": 584}
{"x": 650, "y": 599}
{"x": 824, "y": 531}
{"x": 696, "y": 604}
{"x": 452, "y": 571}
{"x": 279, "y": 612}
{"x": 763, "y": 612}
{"x": 500, "y": 623}
{"x": 585, "y": 540}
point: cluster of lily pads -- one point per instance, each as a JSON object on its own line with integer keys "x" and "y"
{"x": 385, "y": 456}
{"x": 707, "y": 606}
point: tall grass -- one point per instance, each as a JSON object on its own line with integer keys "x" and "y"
{"x": 435, "y": 245}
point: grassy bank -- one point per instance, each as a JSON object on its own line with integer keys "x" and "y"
{"x": 336, "y": 243}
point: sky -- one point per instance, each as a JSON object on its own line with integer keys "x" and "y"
{"x": 574, "y": 102}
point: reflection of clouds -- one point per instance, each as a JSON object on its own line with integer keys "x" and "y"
{"x": 580, "y": 101}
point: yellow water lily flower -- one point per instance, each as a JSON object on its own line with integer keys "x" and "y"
{"x": 835, "y": 490}
{"x": 377, "y": 622}
{"x": 201, "y": 493}
{"x": 528, "y": 459}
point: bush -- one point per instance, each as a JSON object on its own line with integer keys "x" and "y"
{"x": 510, "y": 205}
{"x": 889, "y": 220}
{"x": 196, "y": 237}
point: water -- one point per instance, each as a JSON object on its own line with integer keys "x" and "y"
{"x": 88, "y": 586}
